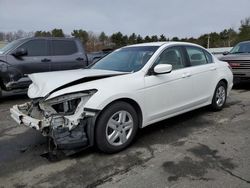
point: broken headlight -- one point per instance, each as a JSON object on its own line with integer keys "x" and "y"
{"x": 66, "y": 104}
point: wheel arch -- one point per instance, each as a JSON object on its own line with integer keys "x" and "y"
{"x": 225, "y": 81}
{"x": 220, "y": 80}
{"x": 133, "y": 103}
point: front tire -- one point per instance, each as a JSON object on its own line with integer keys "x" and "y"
{"x": 220, "y": 96}
{"x": 116, "y": 127}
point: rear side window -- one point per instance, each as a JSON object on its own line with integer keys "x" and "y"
{"x": 63, "y": 47}
{"x": 209, "y": 57}
{"x": 196, "y": 56}
{"x": 35, "y": 47}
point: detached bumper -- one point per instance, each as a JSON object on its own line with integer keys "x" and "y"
{"x": 23, "y": 119}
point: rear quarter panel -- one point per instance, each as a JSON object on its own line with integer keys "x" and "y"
{"x": 224, "y": 72}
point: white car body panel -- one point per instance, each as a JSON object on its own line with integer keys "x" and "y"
{"x": 158, "y": 96}
{"x": 166, "y": 93}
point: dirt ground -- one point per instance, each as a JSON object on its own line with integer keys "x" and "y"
{"x": 197, "y": 149}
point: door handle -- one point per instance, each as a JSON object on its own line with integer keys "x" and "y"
{"x": 45, "y": 60}
{"x": 184, "y": 75}
{"x": 79, "y": 59}
{"x": 212, "y": 68}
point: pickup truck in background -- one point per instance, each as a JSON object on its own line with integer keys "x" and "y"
{"x": 39, "y": 54}
{"x": 239, "y": 60}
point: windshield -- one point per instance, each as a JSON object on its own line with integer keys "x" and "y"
{"x": 241, "y": 48}
{"x": 128, "y": 59}
{"x": 10, "y": 46}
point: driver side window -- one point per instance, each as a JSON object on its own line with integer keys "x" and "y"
{"x": 173, "y": 56}
{"x": 35, "y": 47}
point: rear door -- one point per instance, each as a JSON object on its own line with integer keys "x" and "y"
{"x": 65, "y": 55}
{"x": 202, "y": 72}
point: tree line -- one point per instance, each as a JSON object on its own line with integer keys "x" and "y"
{"x": 96, "y": 42}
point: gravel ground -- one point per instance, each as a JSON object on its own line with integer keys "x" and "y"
{"x": 198, "y": 149}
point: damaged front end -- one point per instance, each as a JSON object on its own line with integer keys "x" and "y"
{"x": 63, "y": 119}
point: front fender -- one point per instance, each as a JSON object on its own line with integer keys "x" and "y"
{"x": 101, "y": 99}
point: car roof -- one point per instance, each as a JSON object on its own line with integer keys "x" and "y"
{"x": 247, "y": 41}
{"x": 167, "y": 43}
{"x": 51, "y": 38}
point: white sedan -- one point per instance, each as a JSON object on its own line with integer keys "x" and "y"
{"x": 131, "y": 88}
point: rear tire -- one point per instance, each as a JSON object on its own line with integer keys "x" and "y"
{"x": 220, "y": 96}
{"x": 116, "y": 127}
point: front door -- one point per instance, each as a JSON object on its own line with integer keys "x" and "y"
{"x": 36, "y": 60}
{"x": 169, "y": 93}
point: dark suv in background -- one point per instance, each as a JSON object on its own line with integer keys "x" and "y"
{"x": 239, "y": 59}
{"x": 31, "y": 55}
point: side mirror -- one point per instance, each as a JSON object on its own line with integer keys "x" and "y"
{"x": 162, "y": 68}
{"x": 225, "y": 53}
{"x": 20, "y": 52}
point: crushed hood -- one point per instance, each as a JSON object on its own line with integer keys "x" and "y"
{"x": 44, "y": 84}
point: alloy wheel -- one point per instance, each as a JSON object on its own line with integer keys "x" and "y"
{"x": 119, "y": 128}
{"x": 220, "y": 96}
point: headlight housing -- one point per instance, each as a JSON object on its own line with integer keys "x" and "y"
{"x": 66, "y": 107}
{"x": 66, "y": 104}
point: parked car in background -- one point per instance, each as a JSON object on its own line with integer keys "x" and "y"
{"x": 128, "y": 89}
{"x": 239, "y": 59}
{"x": 38, "y": 54}
{"x": 95, "y": 56}
{"x": 218, "y": 52}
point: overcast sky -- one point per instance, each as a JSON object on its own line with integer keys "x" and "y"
{"x": 182, "y": 18}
